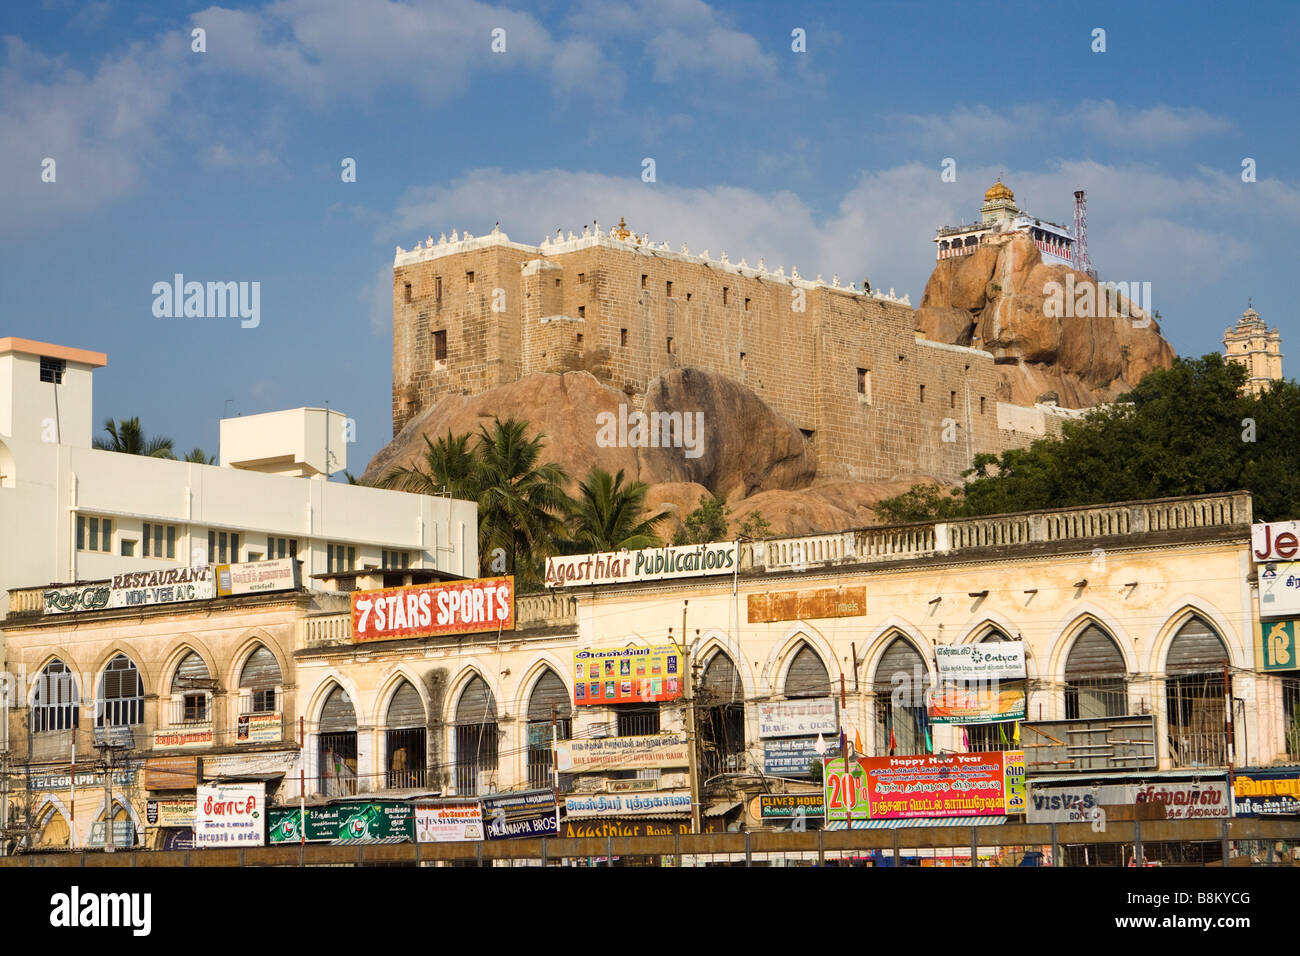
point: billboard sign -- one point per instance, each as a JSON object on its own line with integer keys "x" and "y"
{"x": 1277, "y": 645}
{"x": 425, "y": 610}
{"x": 230, "y": 814}
{"x": 786, "y": 806}
{"x": 845, "y": 786}
{"x": 182, "y": 739}
{"x": 662, "y": 802}
{"x": 170, "y": 812}
{"x": 344, "y": 822}
{"x": 792, "y": 756}
{"x": 163, "y": 587}
{"x": 527, "y": 814}
{"x": 1182, "y": 801}
{"x": 806, "y": 605}
{"x": 453, "y": 823}
{"x": 257, "y": 728}
{"x": 627, "y": 675}
{"x": 798, "y": 718}
{"x": 257, "y": 577}
{"x": 978, "y": 703}
{"x": 1263, "y": 793}
{"x": 1276, "y": 541}
{"x": 600, "y": 755}
{"x": 79, "y": 597}
{"x": 652, "y": 564}
{"x": 945, "y": 785}
{"x": 989, "y": 661}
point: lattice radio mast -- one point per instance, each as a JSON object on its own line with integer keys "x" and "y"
{"x": 1081, "y": 261}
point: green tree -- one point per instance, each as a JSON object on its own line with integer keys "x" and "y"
{"x": 126, "y": 436}
{"x": 755, "y": 526}
{"x": 199, "y": 457}
{"x": 606, "y": 515}
{"x": 521, "y": 501}
{"x": 706, "y": 523}
{"x": 450, "y": 467}
{"x": 920, "y": 503}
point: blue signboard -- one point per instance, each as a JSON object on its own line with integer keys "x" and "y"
{"x": 1265, "y": 793}
{"x": 527, "y": 814}
{"x": 792, "y": 756}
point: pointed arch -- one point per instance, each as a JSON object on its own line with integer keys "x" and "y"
{"x": 405, "y": 720}
{"x": 336, "y": 738}
{"x": 805, "y": 673}
{"x": 1195, "y": 662}
{"x": 1078, "y": 621}
{"x": 547, "y": 696}
{"x": 1176, "y": 615}
{"x": 714, "y": 640}
{"x": 247, "y": 648}
{"x": 119, "y": 696}
{"x": 54, "y": 701}
{"x": 898, "y": 680}
{"x": 778, "y": 658}
{"x": 476, "y": 733}
{"x": 1095, "y": 672}
{"x": 721, "y": 726}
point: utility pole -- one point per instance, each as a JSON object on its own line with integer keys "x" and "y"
{"x": 689, "y": 688}
{"x": 4, "y": 766}
{"x": 555, "y": 765}
{"x": 108, "y": 806}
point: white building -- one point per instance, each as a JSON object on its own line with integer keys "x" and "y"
{"x": 999, "y": 216}
{"x": 70, "y": 512}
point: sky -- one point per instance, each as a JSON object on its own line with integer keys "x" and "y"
{"x": 226, "y": 163}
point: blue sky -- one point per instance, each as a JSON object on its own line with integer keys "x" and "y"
{"x": 225, "y": 165}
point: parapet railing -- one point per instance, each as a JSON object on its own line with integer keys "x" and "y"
{"x": 902, "y": 542}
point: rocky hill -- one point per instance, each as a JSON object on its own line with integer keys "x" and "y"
{"x": 994, "y": 299}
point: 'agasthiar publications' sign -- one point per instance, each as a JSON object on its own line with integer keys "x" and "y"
{"x": 422, "y": 610}
{"x": 652, "y": 564}
{"x": 599, "y": 755}
{"x": 798, "y": 718}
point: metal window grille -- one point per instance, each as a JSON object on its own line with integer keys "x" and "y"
{"x": 407, "y": 758}
{"x": 540, "y": 768}
{"x": 638, "y": 721}
{"x": 54, "y": 701}
{"x": 1291, "y": 714}
{"x": 52, "y": 369}
{"x": 338, "y": 764}
{"x": 1096, "y": 699}
{"x": 121, "y": 694}
{"x": 1197, "y": 721}
{"x": 476, "y": 752}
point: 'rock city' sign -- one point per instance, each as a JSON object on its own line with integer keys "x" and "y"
{"x": 652, "y": 564}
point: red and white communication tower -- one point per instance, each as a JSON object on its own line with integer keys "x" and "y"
{"x": 1081, "y": 261}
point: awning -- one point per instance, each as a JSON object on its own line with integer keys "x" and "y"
{"x": 721, "y": 809}
{"x": 1131, "y": 776}
{"x": 407, "y": 793}
{"x": 357, "y": 841}
{"x": 921, "y": 822}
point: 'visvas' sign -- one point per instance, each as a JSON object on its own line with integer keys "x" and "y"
{"x": 1279, "y": 541}
{"x": 462, "y": 607}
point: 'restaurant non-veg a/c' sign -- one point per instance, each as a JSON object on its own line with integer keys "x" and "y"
{"x": 460, "y": 607}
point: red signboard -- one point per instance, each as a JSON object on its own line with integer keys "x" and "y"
{"x": 941, "y": 785}
{"x": 421, "y": 610}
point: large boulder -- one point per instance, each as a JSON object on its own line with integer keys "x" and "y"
{"x": 1000, "y": 299}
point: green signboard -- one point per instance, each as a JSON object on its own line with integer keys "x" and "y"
{"x": 1277, "y": 646}
{"x": 846, "y": 790}
{"x": 380, "y": 820}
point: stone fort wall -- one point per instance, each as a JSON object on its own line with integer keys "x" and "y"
{"x": 845, "y": 366}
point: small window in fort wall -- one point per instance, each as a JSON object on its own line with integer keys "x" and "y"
{"x": 725, "y": 290}
{"x": 670, "y": 345}
{"x": 408, "y": 292}
{"x": 582, "y": 311}
{"x": 743, "y": 363}
{"x": 952, "y": 399}
{"x": 747, "y": 304}
{"x": 922, "y": 393}
{"x": 644, "y": 278}
{"x": 688, "y": 297}
{"x": 469, "y": 280}
{"x": 622, "y": 337}
{"x": 668, "y": 289}
{"x": 440, "y": 346}
{"x": 981, "y": 404}
{"x": 579, "y": 340}
{"x": 582, "y": 277}
{"x": 557, "y": 283}
{"x": 864, "y": 385}
{"x": 437, "y": 288}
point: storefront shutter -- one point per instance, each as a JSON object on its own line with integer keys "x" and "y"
{"x": 260, "y": 670}
{"x": 548, "y": 692}
{"x": 721, "y": 682}
{"x": 192, "y": 668}
{"x": 476, "y": 705}
{"x": 899, "y": 658}
{"x": 1196, "y": 649}
{"x": 406, "y": 709}
{"x": 1094, "y": 655}
{"x": 337, "y": 716}
{"x": 807, "y": 675}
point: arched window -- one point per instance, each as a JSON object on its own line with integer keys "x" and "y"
{"x": 54, "y": 830}
{"x": 1195, "y": 697}
{"x": 999, "y": 735}
{"x": 189, "y": 691}
{"x": 259, "y": 683}
{"x": 121, "y": 694}
{"x": 476, "y": 739}
{"x": 721, "y": 699}
{"x": 1096, "y": 684}
{"x": 337, "y": 745}
{"x": 549, "y": 696}
{"x": 806, "y": 675}
{"x": 55, "y": 704}
{"x": 902, "y": 725}
{"x": 121, "y": 834}
{"x": 406, "y": 738}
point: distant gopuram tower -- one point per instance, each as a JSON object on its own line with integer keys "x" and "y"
{"x": 1256, "y": 346}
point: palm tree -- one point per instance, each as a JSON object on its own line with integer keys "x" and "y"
{"x": 521, "y": 503}
{"x": 606, "y": 516}
{"x": 449, "y": 469}
{"x": 199, "y": 457}
{"x": 125, "y": 436}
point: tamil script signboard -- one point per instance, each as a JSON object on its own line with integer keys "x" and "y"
{"x": 663, "y": 802}
{"x": 945, "y": 785}
{"x": 792, "y": 756}
{"x": 1182, "y": 801}
{"x": 230, "y": 814}
{"x": 257, "y": 577}
{"x": 1278, "y": 649}
{"x": 652, "y": 564}
{"x": 527, "y": 814}
{"x": 423, "y": 610}
{"x": 257, "y": 728}
{"x": 627, "y": 675}
{"x": 453, "y": 823}
{"x": 622, "y": 753}
{"x": 978, "y": 703}
{"x": 170, "y": 812}
{"x": 340, "y": 822}
{"x": 798, "y": 718}
{"x": 789, "y": 805}
{"x": 806, "y": 605}
{"x": 990, "y": 661}
{"x": 179, "y": 739}
{"x": 1262, "y": 793}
